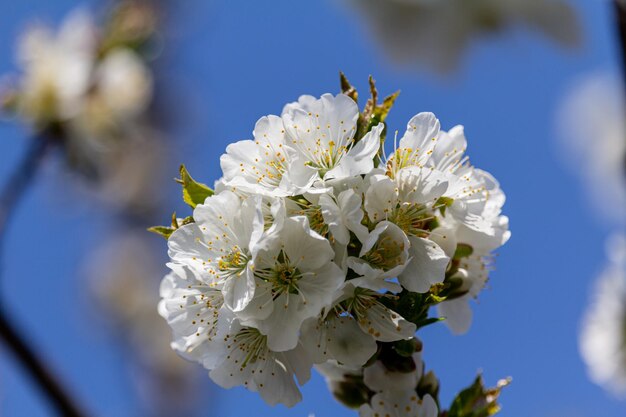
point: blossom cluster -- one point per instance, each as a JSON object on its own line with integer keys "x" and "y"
{"x": 316, "y": 248}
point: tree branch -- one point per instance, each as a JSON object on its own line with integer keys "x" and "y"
{"x": 11, "y": 195}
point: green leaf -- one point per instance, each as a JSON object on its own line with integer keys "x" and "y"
{"x": 194, "y": 193}
{"x": 163, "y": 231}
{"x": 477, "y": 401}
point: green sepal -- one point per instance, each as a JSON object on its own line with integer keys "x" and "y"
{"x": 163, "y": 231}
{"x": 429, "y": 321}
{"x": 443, "y": 203}
{"x": 352, "y": 391}
{"x": 477, "y": 401}
{"x": 166, "y": 231}
{"x": 194, "y": 193}
{"x": 463, "y": 250}
{"x": 394, "y": 361}
{"x": 407, "y": 347}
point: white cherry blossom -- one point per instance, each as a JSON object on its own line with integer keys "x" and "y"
{"x": 295, "y": 280}
{"x": 221, "y": 245}
{"x": 250, "y": 363}
{"x": 322, "y": 133}
{"x": 399, "y": 404}
{"x": 193, "y": 310}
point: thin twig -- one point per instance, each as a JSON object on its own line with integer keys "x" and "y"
{"x": 11, "y": 195}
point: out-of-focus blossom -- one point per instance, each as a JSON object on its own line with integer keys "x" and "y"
{"x": 593, "y": 142}
{"x": 87, "y": 85}
{"x": 122, "y": 277}
{"x": 57, "y": 69}
{"x": 435, "y": 33}
{"x": 603, "y": 334}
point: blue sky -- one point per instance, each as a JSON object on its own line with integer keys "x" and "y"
{"x": 229, "y": 63}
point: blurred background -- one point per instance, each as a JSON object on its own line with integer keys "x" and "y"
{"x": 80, "y": 275}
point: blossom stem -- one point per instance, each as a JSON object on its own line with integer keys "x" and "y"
{"x": 10, "y": 197}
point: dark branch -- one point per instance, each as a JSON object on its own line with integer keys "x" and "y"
{"x": 619, "y": 7}
{"x": 11, "y": 195}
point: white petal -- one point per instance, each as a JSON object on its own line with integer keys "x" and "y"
{"x": 386, "y": 325}
{"x": 457, "y": 313}
{"x": 427, "y": 267}
{"x": 420, "y": 132}
{"x": 238, "y": 290}
{"x": 378, "y": 378}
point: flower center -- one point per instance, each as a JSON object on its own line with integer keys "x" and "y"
{"x": 412, "y": 218}
{"x": 233, "y": 263}
{"x": 283, "y": 276}
{"x": 252, "y": 344}
{"x": 316, "y": 219}
{"x": 402, "y": 158}
{"x": 386, "y": 254}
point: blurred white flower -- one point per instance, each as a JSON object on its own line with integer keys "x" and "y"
{"x": 84, "y": 85}
{"x": 435, "y": 33}
{"x": 125, "y": 83}
{"x": 603, "y": 332}
{"x": 593, "y": 141}
{"x": 57, "y": 69}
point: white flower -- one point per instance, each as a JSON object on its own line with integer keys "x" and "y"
{"x": 384, "y": 254}
{"x": 343, "y": 215}
{"x": 124, "y": 84}
{"x": 434, "y": 34}
{"x": 313, "y": 140}
{"x": 338, "y": 338}
{"x": 295, "y": 280}
{"x": 56, "y": 69}
{"x": 322, "y": 132}
{"x": 193, "y": 309}
{"x": 374, "y": 318}
{"x": 407, "y": 201}
{"x": 399, "y": 404}
{"x": 395, "y": 392}
{"x": 221, "y": 245}
{"x": 378, "y": 378}
{"x": 595, "y": 109}
{"x": 603, "y": 335}
{"x": 250, "y": 363}
{"x": 262, "y": 165}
